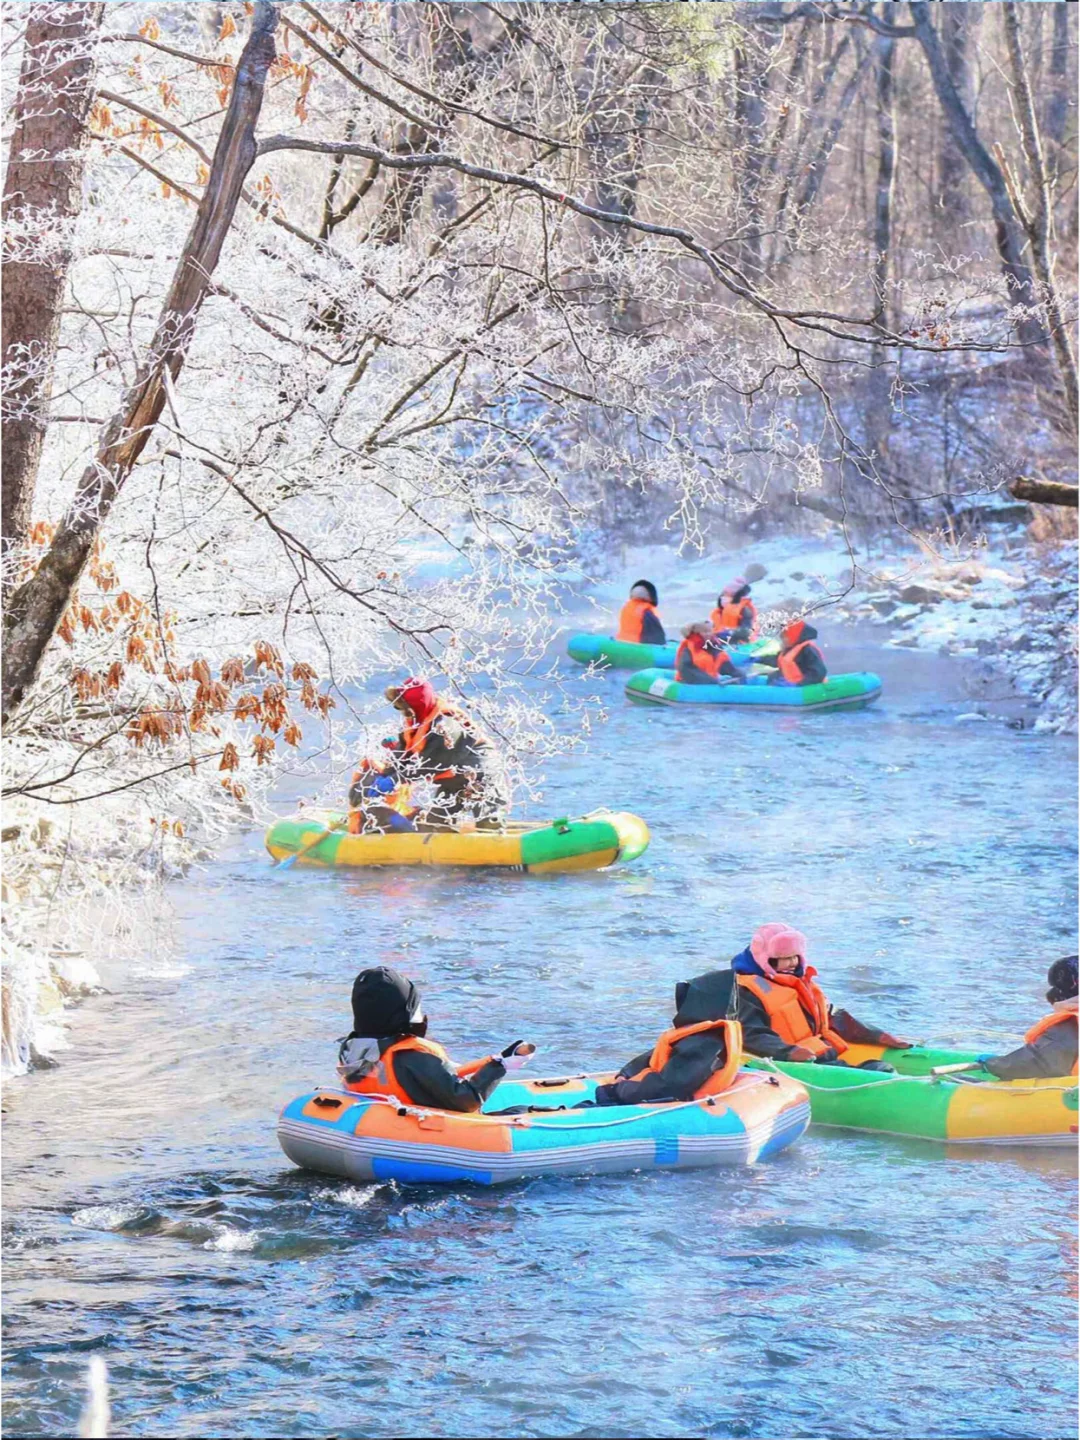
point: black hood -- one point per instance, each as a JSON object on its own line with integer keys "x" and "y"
{"x": 1062, "y": 977}
{"x": 384, "y": 1003}
{"x": 654, "y": 598}
{"x": 706, "y": 997}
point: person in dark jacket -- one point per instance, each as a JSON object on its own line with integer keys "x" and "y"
{"x": 403, "y": 1063}
{"x": 699, "y": 1056}
{"x": 639, "y": 620}
{"x": 800, "y": 661}
{"x": 440, "y": 743}
{"x": 784, "y": 1012}
{"x": 1050, "y": 1047}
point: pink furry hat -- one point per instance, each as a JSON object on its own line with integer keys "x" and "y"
{"x": 777, "y": 939}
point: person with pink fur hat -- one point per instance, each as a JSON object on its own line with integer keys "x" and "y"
{"x": 783, "y": 1010}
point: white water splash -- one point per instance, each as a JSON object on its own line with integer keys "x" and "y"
{"x": 106, "y": 1217}
{"x": 232, "y": 1241}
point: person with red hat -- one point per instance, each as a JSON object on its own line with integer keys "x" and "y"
{"x": 800, "y": 661}
{"x": 441, "y": 744}
{"x": 783, "y": 1011}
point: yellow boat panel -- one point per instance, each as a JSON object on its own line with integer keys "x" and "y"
{"x": 1011, "y": 1109}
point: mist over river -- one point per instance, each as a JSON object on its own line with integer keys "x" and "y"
{"x": 851, "y": 1285}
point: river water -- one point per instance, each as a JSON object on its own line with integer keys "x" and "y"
{"x": 850, "y": 1286}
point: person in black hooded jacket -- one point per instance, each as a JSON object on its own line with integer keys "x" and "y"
{"x": 698, "y": 1056}
{"x": 403, "y": 1063}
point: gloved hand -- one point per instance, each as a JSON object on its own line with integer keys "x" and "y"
{"x": 389, "y": 742}
{"x": 982, "y": 1059}
{"x": 516, "y": 1055}
{"x": 828, "y": 1056}
{"x": 894, "y": 1042}
{"x": 882, "y": 1065}
{"x": 377, "y": 784}
{"x": 800, "y": 1053}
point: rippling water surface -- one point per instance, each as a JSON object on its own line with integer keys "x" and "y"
{"x": 852, "y": 1285}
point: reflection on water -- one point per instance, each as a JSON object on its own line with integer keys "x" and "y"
{"x": 852, "y": 1285}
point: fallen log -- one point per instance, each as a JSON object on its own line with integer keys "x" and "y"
{"x": 1044, "y": 492}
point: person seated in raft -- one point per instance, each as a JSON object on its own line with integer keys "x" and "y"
{"x": 735, "y": 616}
{"x": 783, "y": 1011}
{"x": 639, "y": 620}
{"x": 377, "y": 803}
{"x": 799, "y": 662}
{"x": 402, "y": 1062}
{"x": 1050, "y": 1047}
{"x": 441, "y": 744}
{"x": 699, "y": 1056}
{"x": 701, "y": 658}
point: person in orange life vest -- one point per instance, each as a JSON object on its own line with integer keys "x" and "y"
{"x": 403, "y": 1062}
{"x": 735, "y": 615}
{"x": 438, "y": 742}
{"x": 699, "y": 1056}
{"x": 799, "y": 662}
{"x": 639, "y": 620}
{"x": 783, "y": 1011}
{"x": 701, "y": 658}
{"x": 1050, "y": 1046}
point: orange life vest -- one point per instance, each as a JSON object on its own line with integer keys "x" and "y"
{"x": 730, "y": 616}
{"x": 692, "y": 651}
{"x": 797, "y": 1009}
{"x": 786, "y": 661}
{"x": 414, "y": 735}
{"x": 632, "y": 620}
{"x": 1056, "y": 1017}
{"x": 382, "y": 1080}
{"x": 730, "y": 1031}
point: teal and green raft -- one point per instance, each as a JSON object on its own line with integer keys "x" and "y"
{"x": 838, "y": 692}
{"x": 592, "y": 842}
{"x": 625, "y": 655}
{"x": 972, "y": 1108}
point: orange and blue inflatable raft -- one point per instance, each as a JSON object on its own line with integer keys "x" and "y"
{"x": 368, "y": 1138}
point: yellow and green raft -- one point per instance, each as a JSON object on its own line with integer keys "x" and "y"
{"x": 592, "y": 842}
{"x": 972, "y": 1108}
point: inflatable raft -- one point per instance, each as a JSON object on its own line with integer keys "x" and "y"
{"x": 591, "y": 843}
{"x": 972, "y": 1108}
{"x": 625, "y": 655}
{"x": 838, "y": 692}
{"x": 365, "y": 1138}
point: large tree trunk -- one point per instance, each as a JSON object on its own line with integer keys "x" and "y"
{"x": 37, "y": 607}
{"x": 1010, "y": 232}
{"x": 879, "y": 420}
{"x": 1037, "y": 215}
{"x": 43, "y": 189}
{"x": 952, "y": 195}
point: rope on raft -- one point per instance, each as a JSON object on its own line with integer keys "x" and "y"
{"x": 1004, "y": 1087}
{"x": 665, "y": 1107}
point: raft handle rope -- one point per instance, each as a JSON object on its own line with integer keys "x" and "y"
{"x": 522, "y": 1123}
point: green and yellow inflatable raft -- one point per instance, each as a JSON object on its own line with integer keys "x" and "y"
{"x": 971, "y": 1108}
{"x": 592, "y": 842}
